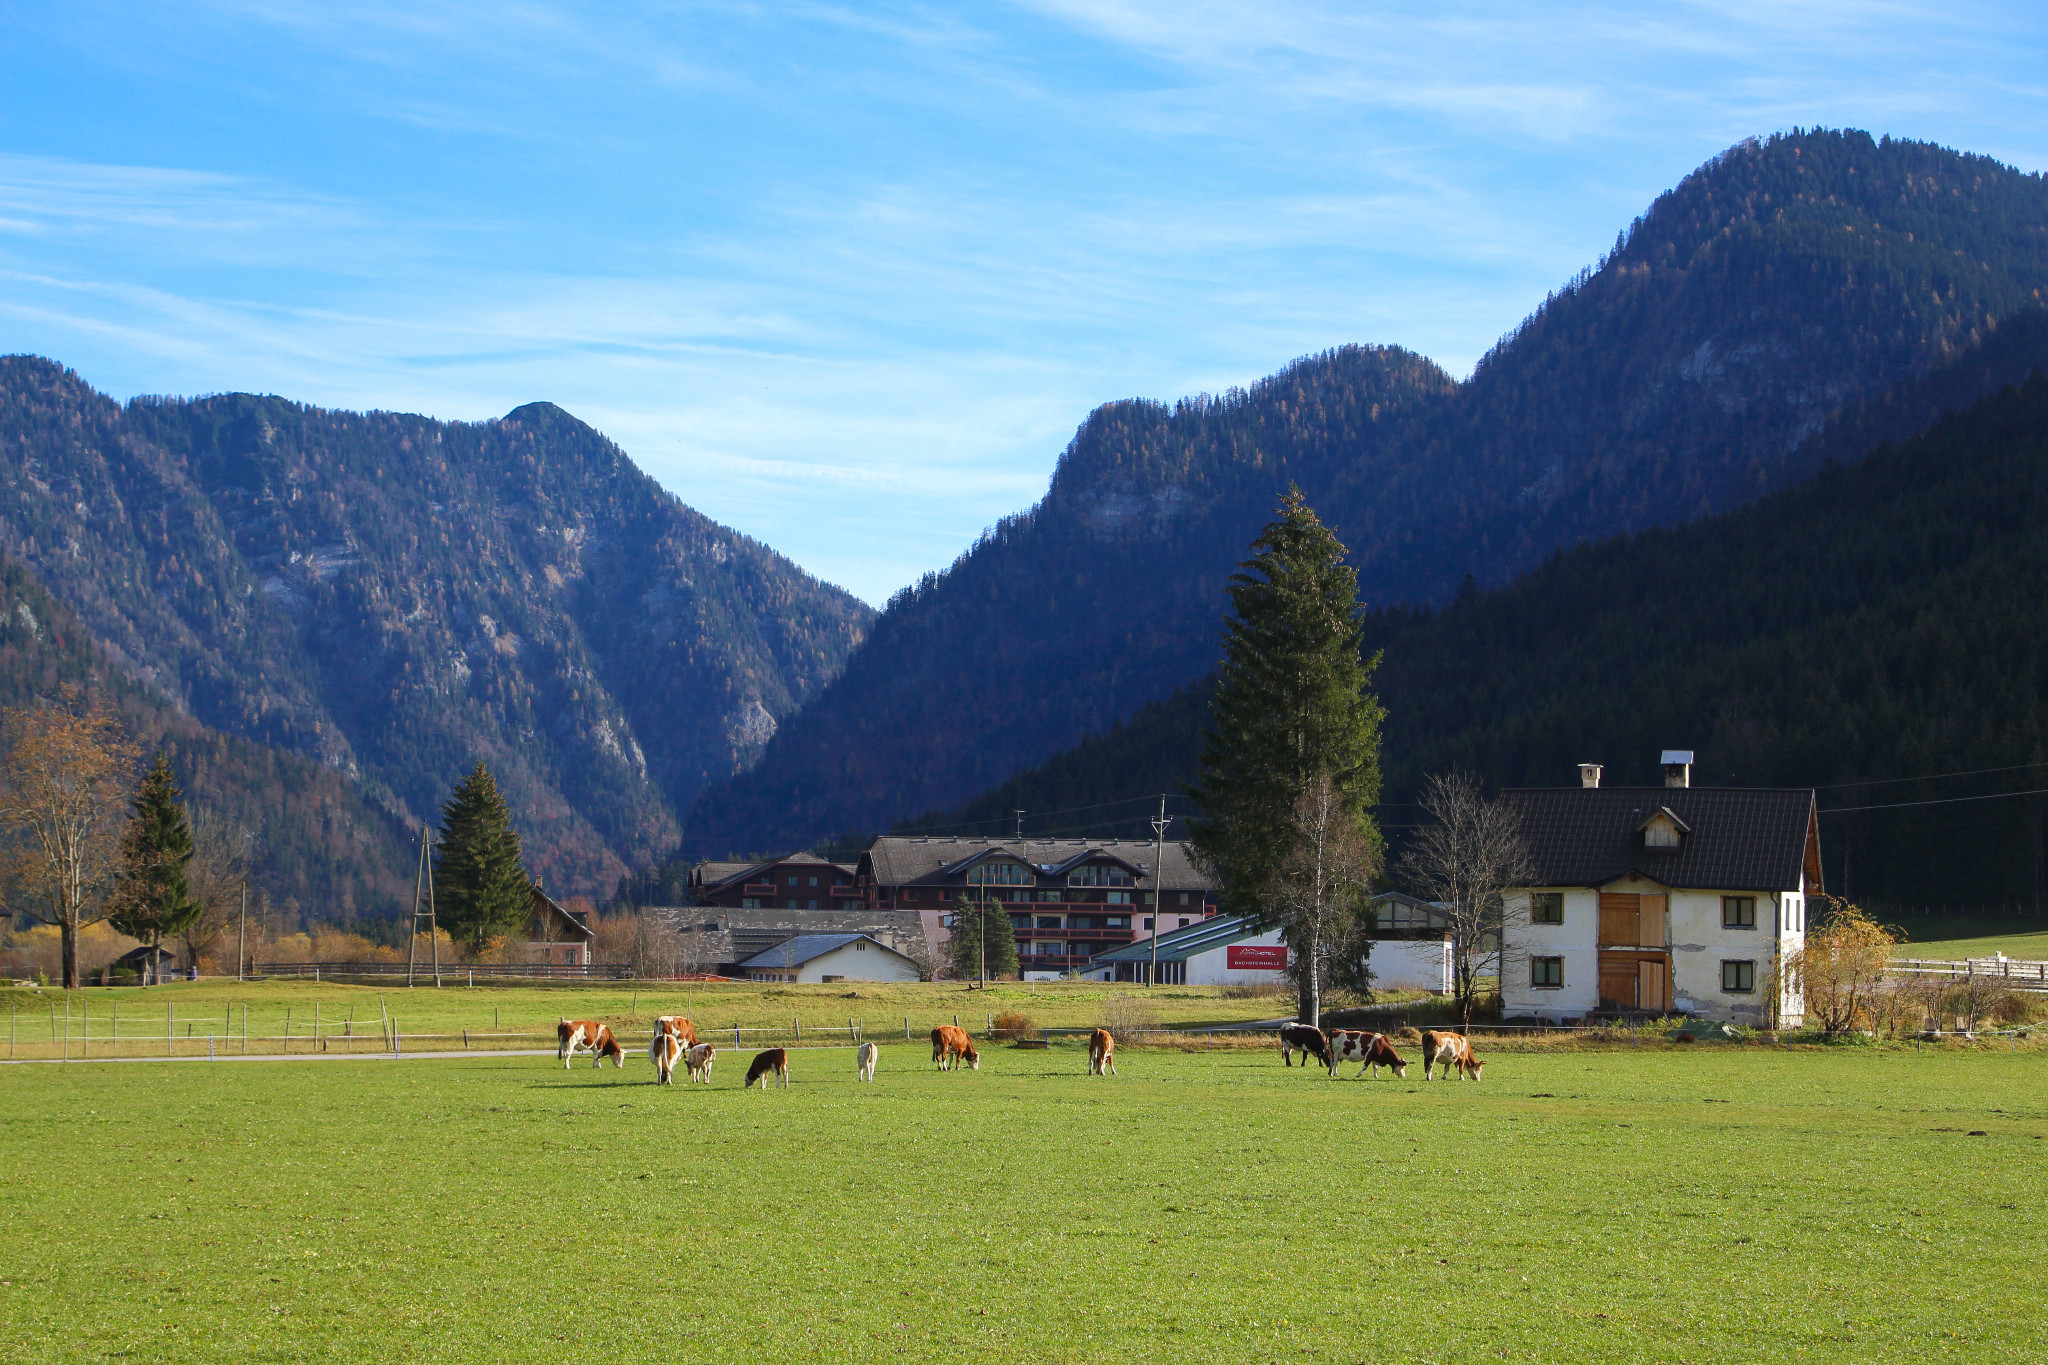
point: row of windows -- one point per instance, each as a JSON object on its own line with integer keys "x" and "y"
{"x": 1048, "y": 896}
{"x": 1737, "y": 977}
{"x": 1015, "y": 874}
{"x": 1737, "y": 912}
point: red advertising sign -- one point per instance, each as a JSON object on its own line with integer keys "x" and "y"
{"x": 1256, "y": 957}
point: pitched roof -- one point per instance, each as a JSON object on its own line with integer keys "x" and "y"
{"x": 900, "y": 860}
{"x": 718, "y": 876}
{"x": 755, "y": 931}
{"x": 1737, "y": 839}
{"x": 807, "y": 947}
{"x": 1181, "y": 944}
{"x": 566, "y": 922}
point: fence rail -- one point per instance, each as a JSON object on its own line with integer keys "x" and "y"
{"x": 2019, "y": 974}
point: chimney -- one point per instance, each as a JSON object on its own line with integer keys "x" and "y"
{"x": 1589, "y": 774}
{"x": 1677, "y": 767}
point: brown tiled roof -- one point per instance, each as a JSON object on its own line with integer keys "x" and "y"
{"x": 904, "y": 861}
{"x": 1739, "y": 839}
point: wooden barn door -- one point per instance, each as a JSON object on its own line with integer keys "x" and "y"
{"x": 1617, "y": 982}
{"x": 1653, "y": 918}
{"x": 1653, "y": 986}
{"x": 1619, "y": 919}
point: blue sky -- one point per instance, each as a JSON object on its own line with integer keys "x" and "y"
{"x": 847, "y": 277}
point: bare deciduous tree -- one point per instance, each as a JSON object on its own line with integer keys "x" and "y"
{"x": 217, "y": 874}
{"x": 1319, "y": 886}
{"x": 1469, "y": 854}
{"x": 63, "y": 784}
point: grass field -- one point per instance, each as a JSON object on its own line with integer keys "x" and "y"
{"x": 2032, "y": 946}
{"x": 524, "y": 1016}
{"x": 1712, "y": 1203}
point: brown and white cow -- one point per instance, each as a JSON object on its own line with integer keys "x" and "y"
{"x": 665, "y": 1050}
{"x": 571, "y": 1034}
{"x": 864, "y": 1061}
{"x": 699, "y": 1059}
{"x": 1368, "y": 1049}
{"x": 1102, "y": 1053}
{"x": 774, "y": 1061}
{"x": 951, "y": 1046}
{"x": 678, "y": 1024}
{"x": 1447, "y": 1050}
{"x": 1306, "y": 1039}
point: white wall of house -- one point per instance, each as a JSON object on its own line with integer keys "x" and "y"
{"x": 1404, "y": 964}
{"x": 858, "y": 961}
{"x": 1700, "y": 944}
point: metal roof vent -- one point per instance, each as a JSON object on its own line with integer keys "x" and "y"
{"x": 1677, "y": 767}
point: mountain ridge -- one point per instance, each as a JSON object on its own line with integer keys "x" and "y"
{"x": 396, "y": 597}
{"x": 1782, "y": 281}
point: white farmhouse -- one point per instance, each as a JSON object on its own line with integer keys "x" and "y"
{"x": 829, "y": 957}
{"x": 1660, "y": 899}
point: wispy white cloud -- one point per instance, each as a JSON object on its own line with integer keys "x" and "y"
{"x": 848, "y": 276}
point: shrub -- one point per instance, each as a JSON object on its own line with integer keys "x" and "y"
{"x": 1125, "y": 1015}
{"x": 1012, "y": 1025}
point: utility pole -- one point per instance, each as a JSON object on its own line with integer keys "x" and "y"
{"x": 433, "y": 923}
{"x": 1020, "y": 826}
{"x": 242, "y": 934}
{"x": 1158, "y": 896}
{"x": 981, "y": 930}
{"x": 423, "y": 888}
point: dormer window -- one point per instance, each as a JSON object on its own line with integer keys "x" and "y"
{"x": 999, "y": 874}
{"x": 1664, "y": 830}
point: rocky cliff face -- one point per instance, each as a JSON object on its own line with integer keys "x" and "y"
{"x": 398, "y": 597}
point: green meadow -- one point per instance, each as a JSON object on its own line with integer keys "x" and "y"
{"x": 1717, "y": 1202}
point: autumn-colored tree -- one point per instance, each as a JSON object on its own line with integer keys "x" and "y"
{"x": 66, "y": 769}
{"x": 1841, "y": 968}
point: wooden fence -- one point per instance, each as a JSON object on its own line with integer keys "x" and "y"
{"x": 2019, "y": 975}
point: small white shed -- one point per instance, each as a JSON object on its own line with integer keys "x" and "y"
{"x": 829, "y": 957}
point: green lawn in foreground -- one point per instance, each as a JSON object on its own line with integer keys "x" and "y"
{"x": 1717, "y": 1203}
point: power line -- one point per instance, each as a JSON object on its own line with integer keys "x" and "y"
{"x": 1931, "y": 777}
{"x": 1939, "y": 801}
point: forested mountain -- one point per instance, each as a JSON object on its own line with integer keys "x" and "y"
{"x": 1886, "y": 620}
{"x": 1780, "y": 284}
{"x": 317, "y": 843}
{"x": 397, "y": 597}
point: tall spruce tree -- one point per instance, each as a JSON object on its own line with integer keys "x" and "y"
{"x": 152, "y": 895}
{"x": 1293, "y": 705}
{"x": 981, "y": 930}
{"x": 481, "y": 889}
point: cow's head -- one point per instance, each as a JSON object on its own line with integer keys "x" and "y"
{"x": 1474, "y": 1067}
{"x": 973, "y": 1058}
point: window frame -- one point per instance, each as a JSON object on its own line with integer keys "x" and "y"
{"x": 1547, "y": 900}
{"x": 1739, "y": 963}
{"x": 1732, "y": 906}
{"x": 1555, "y": 964}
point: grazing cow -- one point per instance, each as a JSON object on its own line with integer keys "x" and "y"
{"x": 1306, "y": 1039}
{"x": 864, "y": 1061}
{"x": 700, "y": 1058}
{"x": 664, "y": 1051}
{"x": 680, "y": 1025}
{"x": 571, "y": 1034}
{"x": 951, "y": 1046}
{"x": 1102, "y": 1053}
{"x": 1447, "y": 1050}
{"x": 775, "y": 1060}
{"x": 1373, "y": 1050}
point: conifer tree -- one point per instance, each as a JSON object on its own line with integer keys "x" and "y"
{"x": 1293, "y": 707}
{"x": 981, "y": 930}
{"x": 480, "y": 882}
{"x": 153, "y": 896}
